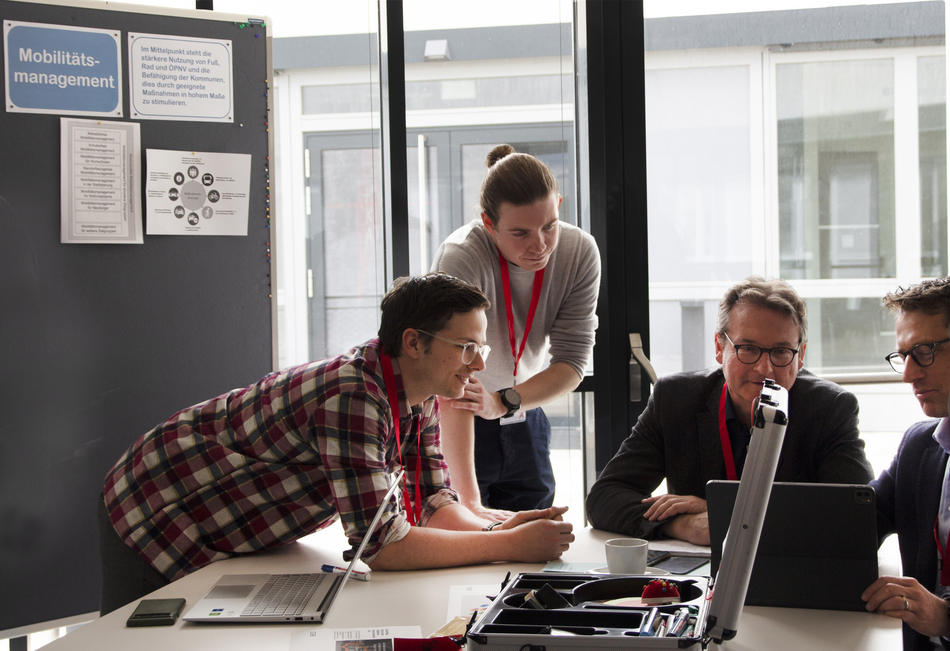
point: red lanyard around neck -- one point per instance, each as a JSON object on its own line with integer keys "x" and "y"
{"x": 516, "y": 352}
{"x": 413, "y": 513}
{"x": 944, "y": 566}
{"x": 724, "y": 436}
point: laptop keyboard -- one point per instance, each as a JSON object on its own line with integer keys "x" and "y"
{"x": 284, "y": 594}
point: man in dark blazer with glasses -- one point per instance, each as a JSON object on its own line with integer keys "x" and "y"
{"x": 696, "y": 425}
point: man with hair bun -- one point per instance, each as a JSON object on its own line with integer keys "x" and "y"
{"x": 697, "y": 425}
{"x": 542, "y": 277}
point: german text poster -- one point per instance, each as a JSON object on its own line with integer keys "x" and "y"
{"x": 62, "y": 69}
{"x": 100, "y": 177}
{"x": 180, "y": 78}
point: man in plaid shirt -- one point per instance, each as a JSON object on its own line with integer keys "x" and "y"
{"x": 260, "y": 467}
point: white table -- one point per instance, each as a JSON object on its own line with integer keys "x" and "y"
{"x": 421, "y": 598}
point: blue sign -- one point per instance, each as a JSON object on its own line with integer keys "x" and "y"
{"x": 58, "y": 69}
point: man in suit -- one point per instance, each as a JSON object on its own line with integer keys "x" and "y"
{"x": 912, "y": 494}
{"x": 697, "y": 425}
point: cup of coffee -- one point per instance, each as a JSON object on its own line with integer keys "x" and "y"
{"x": 627, "y": 555}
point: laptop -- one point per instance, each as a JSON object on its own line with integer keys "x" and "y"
{"x": 278, "y": 598}
{"x": 818, "y": 547}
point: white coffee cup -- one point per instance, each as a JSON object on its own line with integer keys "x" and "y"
{"x": 627, "y": 555}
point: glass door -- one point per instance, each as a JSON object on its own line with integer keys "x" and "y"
{"x": 345, "y": 277}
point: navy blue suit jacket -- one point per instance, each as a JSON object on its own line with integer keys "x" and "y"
{"x": 908, "y": 497}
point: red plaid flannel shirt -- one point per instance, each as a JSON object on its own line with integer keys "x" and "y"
{"x": 260, "y": 467}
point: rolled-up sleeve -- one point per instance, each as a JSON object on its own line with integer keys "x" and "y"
{"x": 358, "y": 451}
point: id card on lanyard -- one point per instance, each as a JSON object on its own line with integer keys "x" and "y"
{"x": 516, "y": 351}
{"x": 413, "y": 511}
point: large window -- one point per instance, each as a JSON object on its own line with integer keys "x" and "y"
{"x": 822, "y": 162}
{"x": 474, "y": 77}
{"x": 704, "y": 197}
{"x": 932, "y": 143}
{"x": 836, "y": 169}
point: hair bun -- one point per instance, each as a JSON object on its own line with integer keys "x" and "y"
{"x": 497, "y": 153}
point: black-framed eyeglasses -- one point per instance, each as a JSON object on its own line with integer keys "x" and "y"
{"x": 923, "y": 354}
{"x": 749, "y": 354}
{"x": 468, "y": 349}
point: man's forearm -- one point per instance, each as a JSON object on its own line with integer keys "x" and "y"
{"x": 550, "y": 384}
{"x": 615, "y": 506}
{"x": 691, "y": 527}
{"x": 453, "y": 537}
{"x": 424, "y": 548}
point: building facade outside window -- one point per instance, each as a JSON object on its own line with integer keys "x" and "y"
{"x": 823, "y": 163}
{"x": 467, "y": 90}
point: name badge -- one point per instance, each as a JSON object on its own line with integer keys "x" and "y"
{"x": 520, "y": 417}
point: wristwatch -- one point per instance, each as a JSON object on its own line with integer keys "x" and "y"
{"x": 511, "y": 399}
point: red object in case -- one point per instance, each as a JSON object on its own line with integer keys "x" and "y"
{"x": 660, "y": 591}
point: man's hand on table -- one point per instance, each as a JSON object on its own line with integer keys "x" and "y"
{"x": 904, "y": 598}
{"x": 686, "y": 515}
{"x": 540, "y": 534}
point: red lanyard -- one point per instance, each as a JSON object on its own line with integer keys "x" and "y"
{"x": 944, "y": 567}
{"x": 516, "y": 352}
{"x": 724, "y": 436}
{"x": 414, "y": 515}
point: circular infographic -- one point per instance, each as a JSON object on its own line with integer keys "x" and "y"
{"x": 194, "y": 195}
{"x": 197, "y": 193}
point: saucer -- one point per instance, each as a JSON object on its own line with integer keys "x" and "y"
{"x": 653, "y": 571}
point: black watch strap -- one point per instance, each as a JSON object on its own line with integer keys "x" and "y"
{"x": 511, "y": 399}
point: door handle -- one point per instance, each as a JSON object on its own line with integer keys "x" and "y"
{"x": 638, "y": 359}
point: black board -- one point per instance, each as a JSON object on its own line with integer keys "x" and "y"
{"x": 100, "y": 342}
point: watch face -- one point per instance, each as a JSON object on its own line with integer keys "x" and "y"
{"x": 512, "y": 398}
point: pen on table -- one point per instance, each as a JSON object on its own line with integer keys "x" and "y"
{"x": 355, "y": 574}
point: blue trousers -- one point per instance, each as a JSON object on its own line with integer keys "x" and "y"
{"x": 513, "y": 463}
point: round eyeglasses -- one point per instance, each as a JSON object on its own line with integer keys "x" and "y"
{"x": 468, "y": 349}
{"x": 923, "y": 354}
{"x": 749, "y": 354}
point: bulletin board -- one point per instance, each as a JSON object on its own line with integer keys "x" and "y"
{"x": 99, "y": 342}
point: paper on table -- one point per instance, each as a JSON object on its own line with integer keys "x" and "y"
{"x": 336, "y": 639}
{"x": 679, "y": 548}
{"x": 466, "y": 599}
{"x": 564, "y": 566}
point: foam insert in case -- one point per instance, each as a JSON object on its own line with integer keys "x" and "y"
{"x": 596, "y": 612}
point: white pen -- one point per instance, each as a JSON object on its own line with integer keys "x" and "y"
{"x": 356, "y": 574}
